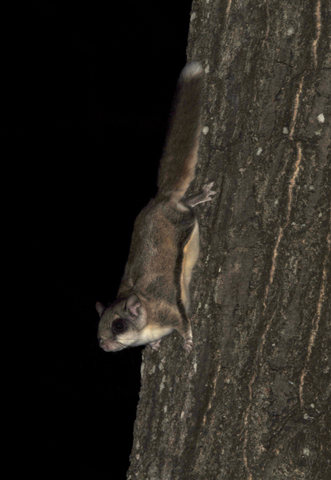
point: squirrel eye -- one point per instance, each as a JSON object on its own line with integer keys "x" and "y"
{"x": 118, "y": 326}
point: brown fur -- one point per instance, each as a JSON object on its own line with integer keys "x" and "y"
{"x": 153, "y": 298}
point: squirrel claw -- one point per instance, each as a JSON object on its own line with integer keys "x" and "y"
{"x": 202, "y": 197}
{"x": 208, "y": 191}
{"x": 188, "y": 346}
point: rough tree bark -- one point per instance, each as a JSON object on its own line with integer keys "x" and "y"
{"x": 253, "y": 399}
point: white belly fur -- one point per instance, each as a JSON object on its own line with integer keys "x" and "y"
{"x": 152, "y": 333}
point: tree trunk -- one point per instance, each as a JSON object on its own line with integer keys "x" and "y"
{"x": 253, "y": 399}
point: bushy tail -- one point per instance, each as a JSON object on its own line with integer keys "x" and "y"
{"x": 177, "y": 165}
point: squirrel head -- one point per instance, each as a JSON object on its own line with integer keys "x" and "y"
{"x": 121, "y": 323}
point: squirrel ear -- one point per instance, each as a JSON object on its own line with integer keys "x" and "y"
{"x": 132, "y": 304}
{"x": 100, "y": 308}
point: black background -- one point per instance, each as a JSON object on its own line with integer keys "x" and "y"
{"x": 97, "y": 84}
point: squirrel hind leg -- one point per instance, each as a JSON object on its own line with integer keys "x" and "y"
{"x": 201, "y": 197}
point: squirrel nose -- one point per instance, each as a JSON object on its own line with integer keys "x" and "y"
{"x": 103, "y": 345}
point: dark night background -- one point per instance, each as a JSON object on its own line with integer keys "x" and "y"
{"x": 97, "y": 86}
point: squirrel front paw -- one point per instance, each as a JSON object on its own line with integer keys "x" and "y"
{"x": 155, "y": 345}
{"x": 188, "y": 346}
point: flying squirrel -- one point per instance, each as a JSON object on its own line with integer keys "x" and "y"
{"x": 153, "y": 298}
